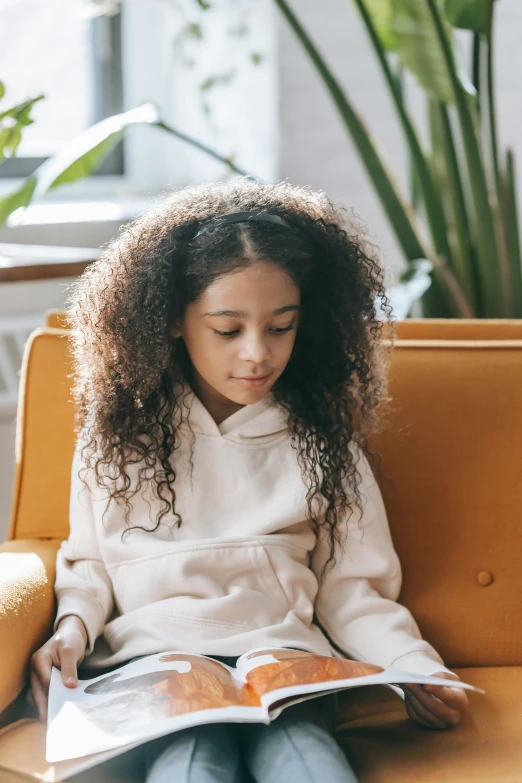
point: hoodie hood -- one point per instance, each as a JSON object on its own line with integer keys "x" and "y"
{"x": 257, "y": 422}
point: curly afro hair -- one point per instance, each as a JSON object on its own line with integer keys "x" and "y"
{"x": 129, "y": 370}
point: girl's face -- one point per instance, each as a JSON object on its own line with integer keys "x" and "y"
{"x": 242, "y": 327}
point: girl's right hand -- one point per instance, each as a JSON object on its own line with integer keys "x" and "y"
{"x": 65, "y": 650}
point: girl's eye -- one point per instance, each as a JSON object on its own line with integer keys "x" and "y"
{"x": 280, "y": 330}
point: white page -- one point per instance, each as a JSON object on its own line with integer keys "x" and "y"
{"x": 82, "y": 723}
{"x": 387, "y": 677}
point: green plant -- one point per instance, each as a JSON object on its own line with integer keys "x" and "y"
{"x": 82, "y": 156}
{"x": 464, "y": 191}
{"x": 86, "y": 152}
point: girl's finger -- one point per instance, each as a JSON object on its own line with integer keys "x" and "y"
{"x": 437, "y": 707}
{"x": 433, "y": 721}
{"x": 413, "y": 715}
{"x": 39, "y": 696}
{"x": 454, "y": 697}
{"x": 68, "y": 660}
{"x": 42, "y": 664}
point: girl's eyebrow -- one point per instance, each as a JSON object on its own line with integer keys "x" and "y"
{"x": 242, "y": 314}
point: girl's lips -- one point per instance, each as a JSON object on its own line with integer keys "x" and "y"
{"x": 253, "y": 382}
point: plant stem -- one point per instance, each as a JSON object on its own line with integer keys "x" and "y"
{"x": 475, "y": 68}
{"x": 204, "y": 148}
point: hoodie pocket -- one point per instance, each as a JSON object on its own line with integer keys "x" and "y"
{"x": 268, "y": 573}
{"x": 232, "y": 585}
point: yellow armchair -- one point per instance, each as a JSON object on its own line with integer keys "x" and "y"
{"x": 451, "y": 465}
{"x": 39, "y": 515}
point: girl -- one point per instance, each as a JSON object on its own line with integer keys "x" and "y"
{"x": 228, "y": 370}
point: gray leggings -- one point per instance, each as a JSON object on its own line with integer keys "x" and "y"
{"x": 297, "y": 747}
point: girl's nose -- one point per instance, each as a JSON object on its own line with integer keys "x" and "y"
{"x": 254, "y": 348}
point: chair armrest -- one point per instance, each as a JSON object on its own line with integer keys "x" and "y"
{"x": 27, "y": 608}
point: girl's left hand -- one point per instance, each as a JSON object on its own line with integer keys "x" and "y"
{"x": 435, "y": 706}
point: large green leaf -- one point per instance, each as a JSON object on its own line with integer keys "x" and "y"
{"x": 466, "y": 14}
{"x": 77, "y": 159}
{"x": 406, "y": 27}
{"x": 381, "y": 13}
{"x": 19, "y": 198}
{"x": 419, "y": 48}
{"x": 469, "y": 14}
{"x": 84, "y": 154}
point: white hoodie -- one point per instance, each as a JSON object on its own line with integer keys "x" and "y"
{"x": 237, "y": 574}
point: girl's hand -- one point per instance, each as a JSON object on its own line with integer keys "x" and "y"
{"x": 435, "y": 706}
{"x": 65, "y": 650}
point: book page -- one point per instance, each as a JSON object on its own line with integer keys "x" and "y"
{"x": 268, "y": 670}
{"x": 281, "y": 674}
{"x": 144, "y": 700}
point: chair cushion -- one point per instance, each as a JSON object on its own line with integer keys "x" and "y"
{"x": 22, "y": 759}
{"x": 27, "y": 608}
{"x": 383, "y": 745}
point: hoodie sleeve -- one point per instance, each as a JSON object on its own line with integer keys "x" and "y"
{"x": 82, "y": 587}
{"x": 357, "y": 603}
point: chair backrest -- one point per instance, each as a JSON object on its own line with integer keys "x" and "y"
{"x": 411, "y": 328}
{"x": 452, "y": 455}
{"x": 44, "y": 439}
{"x": 451, "y": 451}
{"x": 458, "y": 329}
{"x": 56, "y": 319}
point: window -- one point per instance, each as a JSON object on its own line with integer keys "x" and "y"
{"x": 49, "y": 48}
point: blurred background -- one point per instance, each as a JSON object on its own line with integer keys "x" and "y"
{"x": 105, "y": 105}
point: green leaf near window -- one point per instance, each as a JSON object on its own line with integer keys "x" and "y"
{"x": 19, "y": 198}
{"x": 381, "y": 12}
{"x": 418, "y": 46}
{"x": 10, "y": 138}
{"x": 84, "y": 154}
{"x": 469, "y": 14}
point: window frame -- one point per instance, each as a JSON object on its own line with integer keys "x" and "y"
{"x": 107, "y": 79}
{"x": 155, "y": 161}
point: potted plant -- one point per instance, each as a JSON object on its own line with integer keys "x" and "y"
{"x": 464, "y": 191}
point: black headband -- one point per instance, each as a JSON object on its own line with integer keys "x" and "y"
{"x": 240, "y": 217}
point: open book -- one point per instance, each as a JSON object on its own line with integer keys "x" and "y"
{"x": 162, "y": 693}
